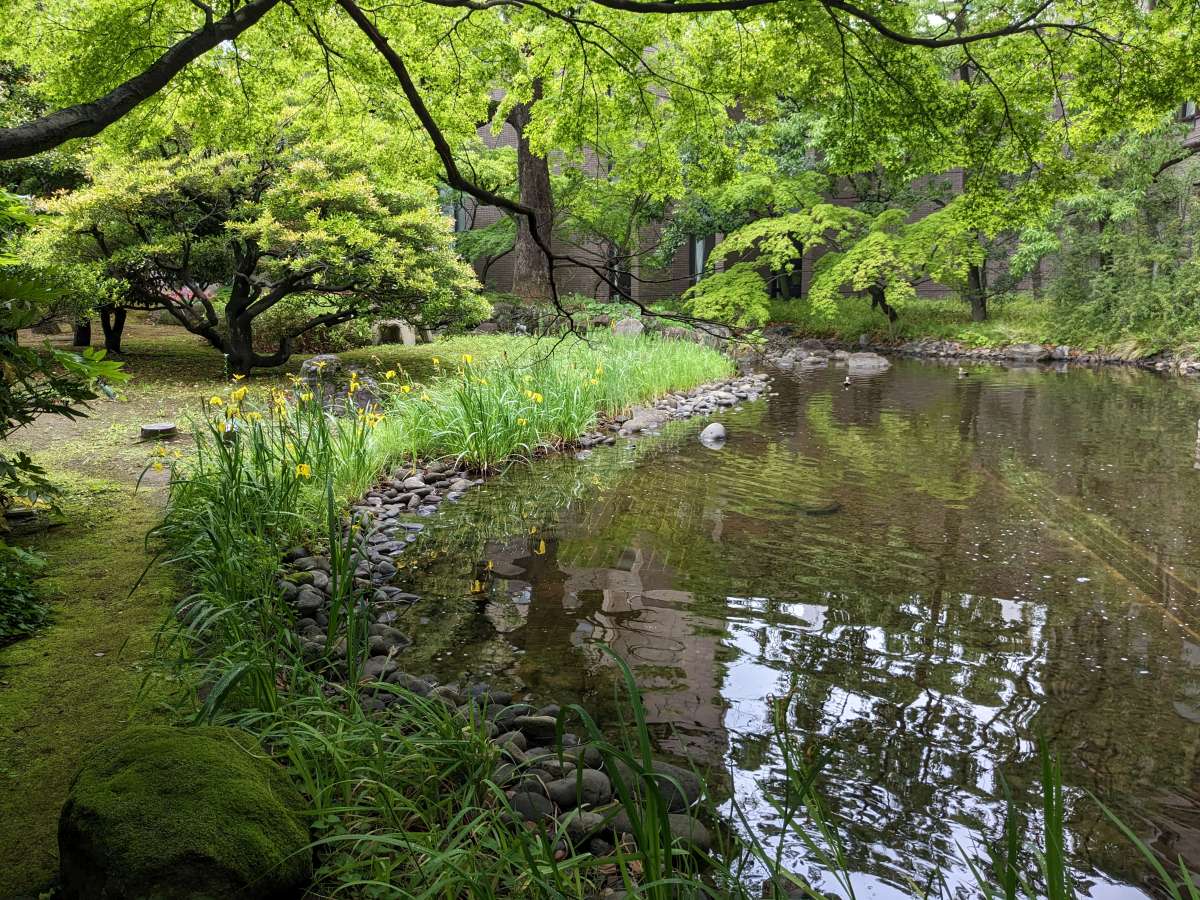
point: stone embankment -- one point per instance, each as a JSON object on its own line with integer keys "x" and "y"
{"x": 548, "y": 775}
{"x": 781, "y": 342}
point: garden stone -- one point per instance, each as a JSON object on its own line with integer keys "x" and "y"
{"x": 867, "y": 362}
{"x": 512, "y": 739}
{"x": 447, "y": 693}
{"x": 531, "y": 806}
{"x": 319, "y": 580}
{"x": 461, "y": 484}
{"x": 410, "y": 683}
{"x": 158, "y": 430}
{"x": 585, "y": 787}
{"x": 323, "y": 367}
{"x": 157, "y": 811}
{"x": 1028, "y": 353}
{"x": 309, "y": 600}
{"x": 539, "y": 729}
{"x": 713, "y": 435}
{"x": 312, "y": 563}
{"x": 683, "y": 827}
{"x": 378, "y": 668}
{"x": 413, "y": 482}
{"x": 629, "y": 327}
{"x": 678, "y": 798}
{"x": 583, "y": 826}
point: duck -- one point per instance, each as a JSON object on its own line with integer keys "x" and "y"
{"x": 846, "y": 383}
{"x": 962, "y": 373}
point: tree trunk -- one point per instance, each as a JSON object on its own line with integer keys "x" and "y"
{"x": 112, "y": 320}
{"x": 83, "y": 333}
{"x": 878, "y": 301}
{"x": 977, "y": 293}
{"x": 531, "y": 274}
{"x": 239, "y": 349}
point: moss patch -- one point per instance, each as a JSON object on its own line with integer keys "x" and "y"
{"x": 81, "y": 679}
{"x": 157, "y": 811}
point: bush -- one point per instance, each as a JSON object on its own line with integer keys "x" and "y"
{"x": 158, "y": 811}
{"x": 21, "y": 610}
{"x": 289, "y": 315}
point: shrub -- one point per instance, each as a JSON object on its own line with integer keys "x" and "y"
{"x": 21, "y": 609}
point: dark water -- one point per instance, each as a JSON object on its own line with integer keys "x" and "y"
{"x": 1014, "y": 558}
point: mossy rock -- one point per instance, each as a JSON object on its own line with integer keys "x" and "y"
{"x": 162, "y": 812}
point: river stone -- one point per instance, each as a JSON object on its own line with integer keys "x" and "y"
{"x": 539, "y": 729}
{"x": 684, "y": 828}
{"x": 583, "y": 826}
{"x": 158, "y": 811}
{"x": 309, "y": 600}
{"x": 531, "y": 806}
{"x": 585, "y": 787}
{"x": 1026, "y": 352}
{"x": 312, "y": 563}
{"x": 867, "y": 362}
{"x": 713, "y": 435}
{"x": 680, "y": 788}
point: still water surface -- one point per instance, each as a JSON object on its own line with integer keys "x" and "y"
{"x": 1013, "y": 557}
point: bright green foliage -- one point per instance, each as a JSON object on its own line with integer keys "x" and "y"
{"x": 309, "y": 219}
{"x": 22, "y": 610}
{"x": 157, "y": 811}
{"x": 36, "y": 381}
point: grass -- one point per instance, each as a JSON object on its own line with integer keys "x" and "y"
{"x": 1012, "y": 319}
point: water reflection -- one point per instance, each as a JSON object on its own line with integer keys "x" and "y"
{"x": 1012, "y": 557}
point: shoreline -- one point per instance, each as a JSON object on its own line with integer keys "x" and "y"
{"x": 780, "y": 339}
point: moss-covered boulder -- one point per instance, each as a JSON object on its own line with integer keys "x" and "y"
{"x": 161, "y": 812}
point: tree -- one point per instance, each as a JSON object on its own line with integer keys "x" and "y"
{"x": 307, "y": 219}
{"x": 639, "y": 58}
{"x": 36, "y": 381}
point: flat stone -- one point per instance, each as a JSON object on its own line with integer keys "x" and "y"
{"x": 539, "y": 729}
{"x": 867, "y": 362}
{"x": 629, "y": 327}
{"x": 531, "y": 806}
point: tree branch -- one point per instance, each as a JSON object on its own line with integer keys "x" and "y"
{"x": 88, "y": 119}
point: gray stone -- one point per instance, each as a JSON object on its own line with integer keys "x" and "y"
{"x": 1026, "y": 353}
{"x": 414, "y": 483}
{"x": 867, "y": 362}
{"x": 629, "y": 327}
{"x": 325, "y": 367}
{"x": 379, "y": 667}
{"x": 394, "y": 331}
{"x": 584, "y": 787}
{"x": 157, "y": 430}
{"x": 312, "y": 563}
{"x": 539, "y": 729}
{"x": 531, "y": 806}
{"x": 713, "y": 435}
{"x": 309, "y": 600}
{"x": 679, "y": 787}
{"x": 684, "y": 828}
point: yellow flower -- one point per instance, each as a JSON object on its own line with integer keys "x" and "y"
{"x": 158, "y": 467}
{"x": 533, "y": 529}
{"x": 160, "y": 451}
{"x": 176, "y": 454}
{"x": 476, "y": 586}
{"x": 482, "y": 380}
{"x": 436, "y": 361}
{"x": 406, "y": 388}
{"x": 489, "y": 565}
{"x": 215, "y": 401}
{"x": 522, "y": 421}
{"x": 304, "y": 470}
{"x": 238, "y": 377}
{"x": 389, "y": 374}
{"x": 320, "y": 364}
{"x": 537, "y": 398}
{"x": 599, "y": 370}
{"x": 238, "y": 395}
{"x": 541, "y": 548}
{"x": 253, "y": 416}
{"x": 425, "y": 396}
{"x": 306, "y": 396}
{"x": 593, "y": 381}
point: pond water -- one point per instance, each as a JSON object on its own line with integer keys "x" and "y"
{"x": 1013, "y": 558}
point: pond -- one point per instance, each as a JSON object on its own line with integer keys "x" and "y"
{"x": 937, "y": 571}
